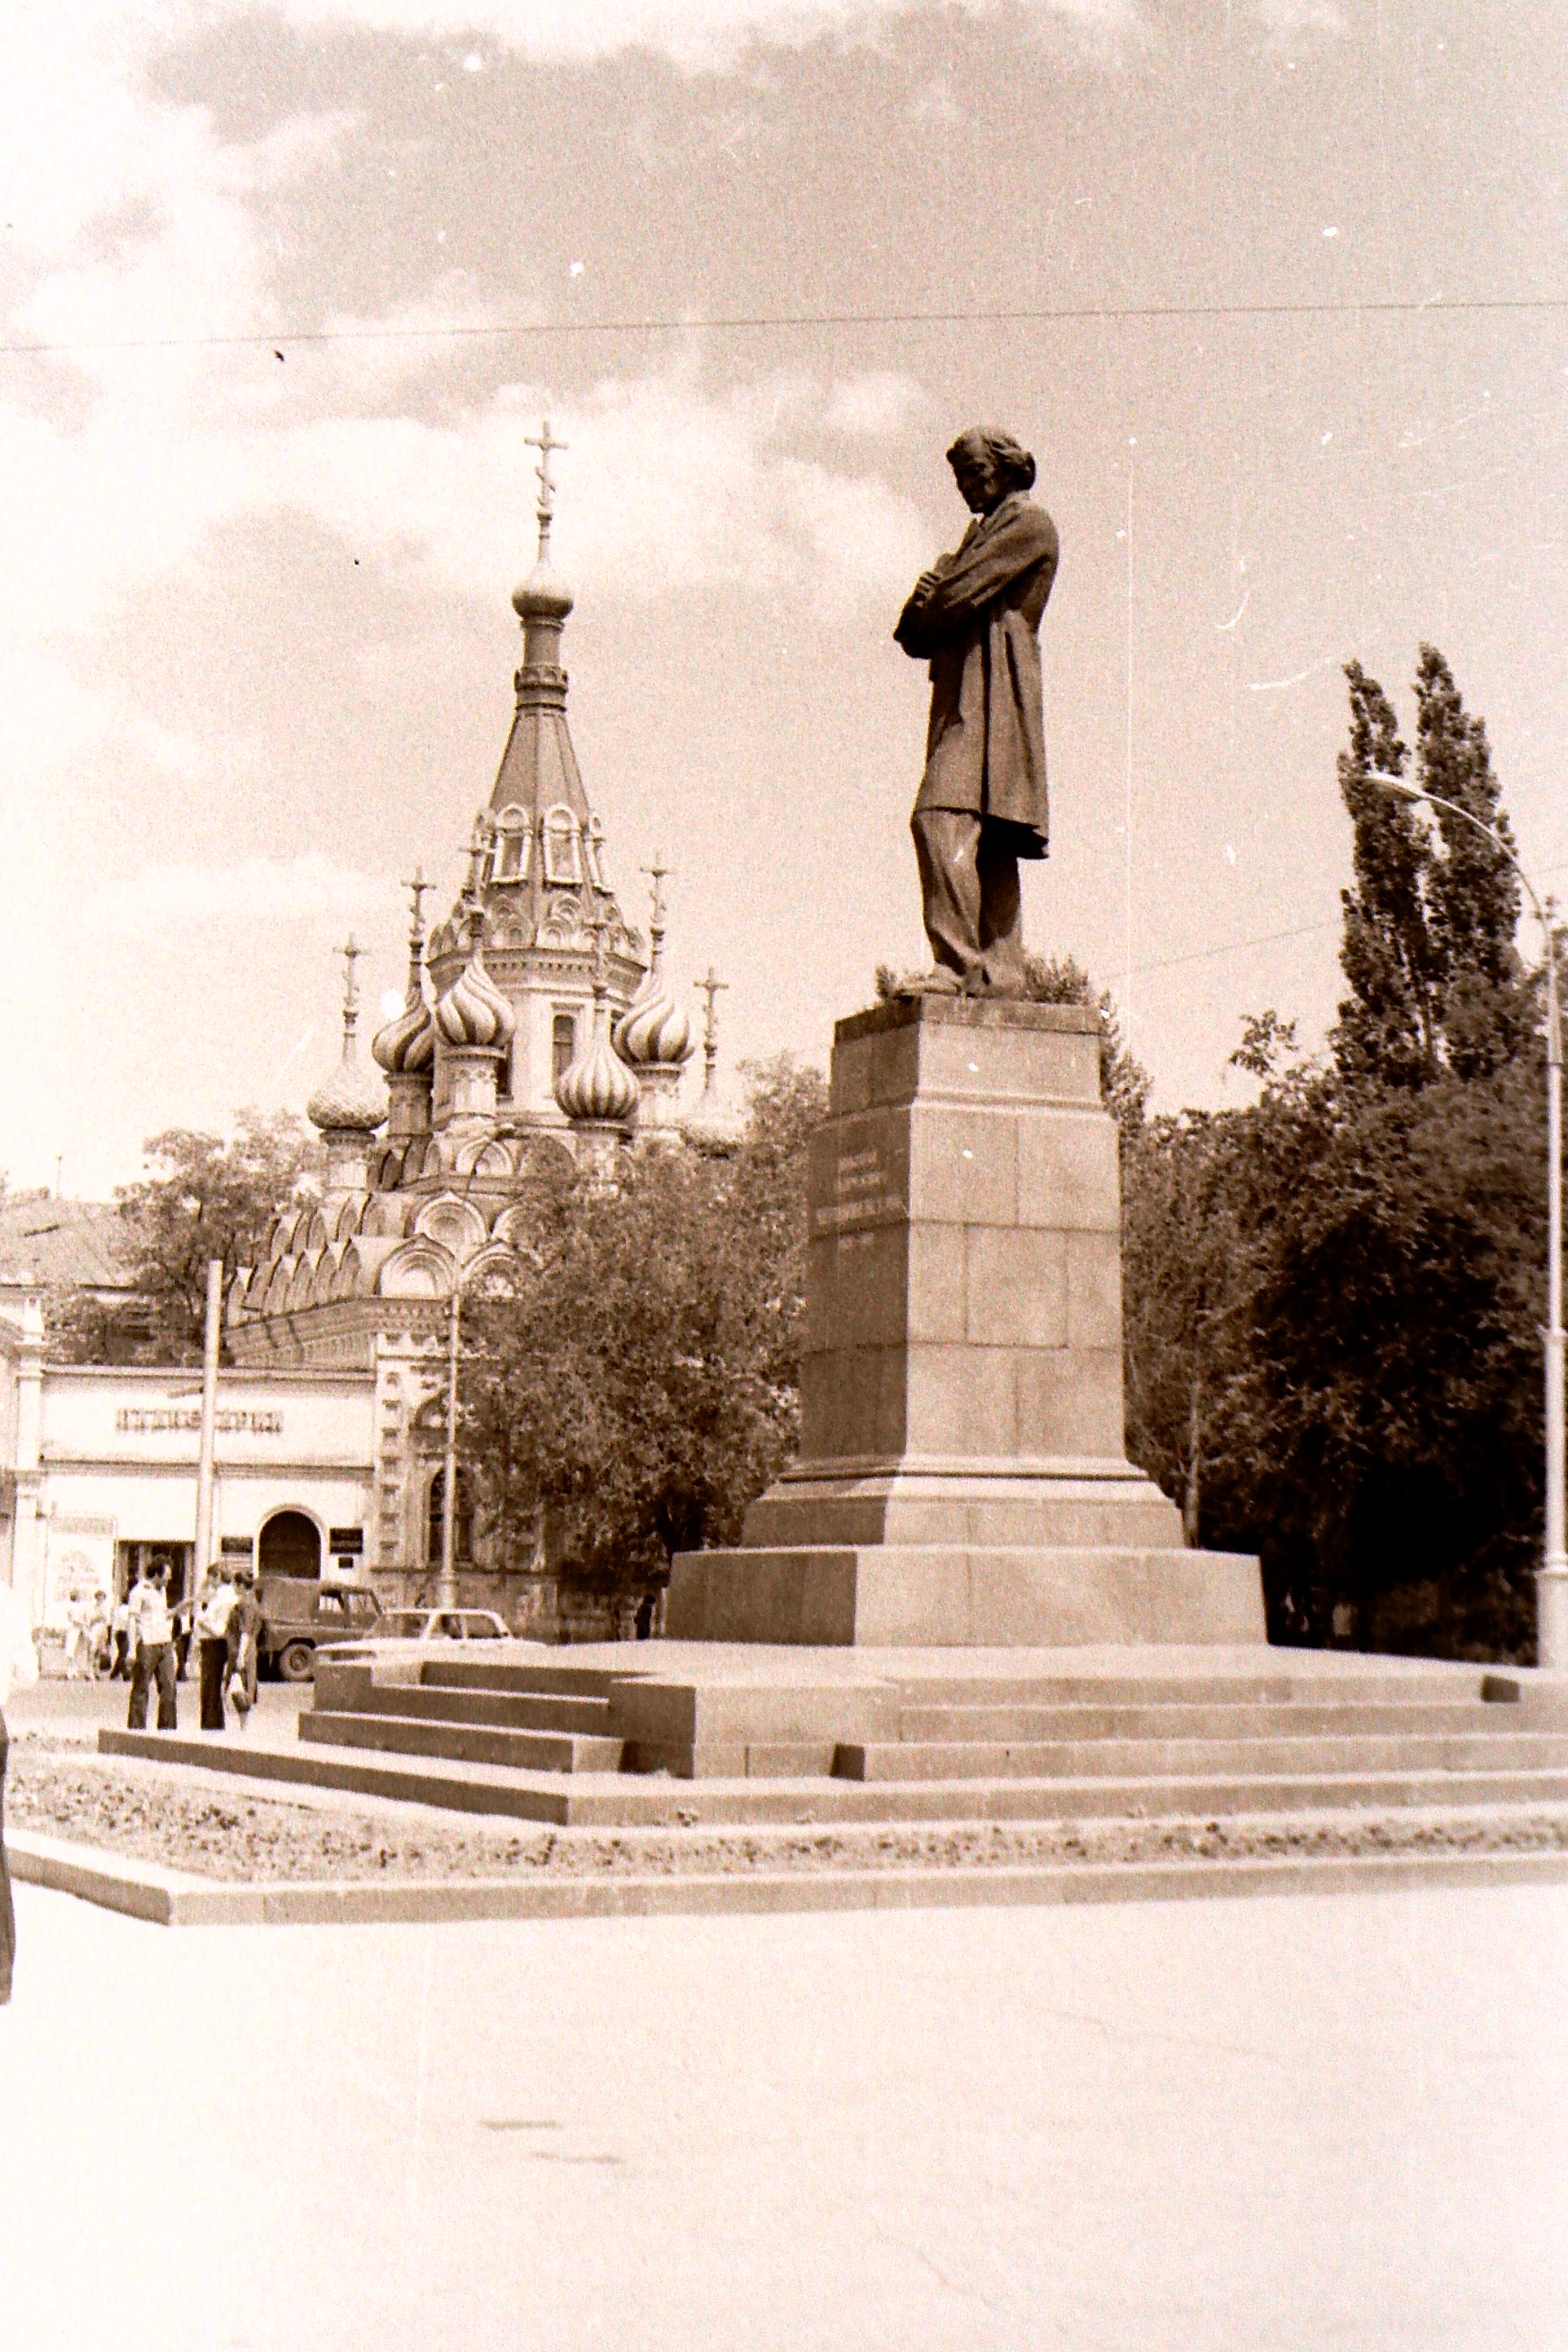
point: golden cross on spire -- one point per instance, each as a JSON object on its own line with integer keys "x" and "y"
{"x": 658, "y": 871}
{"x": 710, "y": 986}
{"x": 351, "y": 952}
{"x": 546, "y": 446}
{"x": 418, "y": 886}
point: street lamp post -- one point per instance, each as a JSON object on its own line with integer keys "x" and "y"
{"x": 1551, "y": 1577}
{"x": 447, "y": 1590}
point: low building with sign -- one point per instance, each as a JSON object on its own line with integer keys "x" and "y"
{"x": 100, "y": 1468}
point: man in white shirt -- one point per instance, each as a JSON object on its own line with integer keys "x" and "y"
{"x": 152, "y": 1641}
{"x": 214, "y": 1608}
{"x": 19, "y": 1669}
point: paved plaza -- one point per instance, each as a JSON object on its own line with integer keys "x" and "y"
{"x": 1303, "y": 2122}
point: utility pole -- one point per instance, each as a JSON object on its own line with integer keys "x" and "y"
{"x": 209, "y": 1425}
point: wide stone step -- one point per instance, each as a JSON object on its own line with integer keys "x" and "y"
{"x": 469, "y": 1743}
{"x": 505, "y": 1710}
{"x": 1141, "y": 1758}
{"x": 1350, "y": 1682}
{"x": 1240, "y": 1720}
{"x": 479, "y": 1673}
{"x": 603, "y": 1800}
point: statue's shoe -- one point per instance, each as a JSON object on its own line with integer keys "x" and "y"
{"x": 939, "y": 982}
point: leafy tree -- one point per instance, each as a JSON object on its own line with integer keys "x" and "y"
{"x": 1394, "y": 1367}
{"x": 642, "y": 1388}
{"x": 1333, "y": 1295}
{"x": 205, "y": 1197}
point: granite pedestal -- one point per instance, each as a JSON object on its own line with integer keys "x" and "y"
{"x": 962, "y": 1475}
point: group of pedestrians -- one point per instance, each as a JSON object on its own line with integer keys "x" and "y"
{"x": 228, "y": 1628}
{"x": 145, "y": 1630}
{"x": 226, "y": 1616}
{"x": 87, "y": 1635}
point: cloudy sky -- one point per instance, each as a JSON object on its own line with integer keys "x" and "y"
{"x": 1268, "y": 286}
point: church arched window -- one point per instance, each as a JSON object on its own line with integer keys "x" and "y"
{"x": 561, "y": 862}
{"x": 593, "y": 852}
{"x": 514, "y": 840}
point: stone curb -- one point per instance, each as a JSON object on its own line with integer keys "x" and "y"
{"x": 171, "y": 1898}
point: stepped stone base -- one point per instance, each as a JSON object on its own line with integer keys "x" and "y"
{"x": 961, "y": 1477}
{"x": 897, "y": 1596}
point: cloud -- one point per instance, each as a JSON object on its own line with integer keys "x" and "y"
{"x": 694, "y": 33}
{"x": 175, "y": 897}
{"x": 879, "y": 403}
{"x": 665, "y": 486}
{"x": 1285, "y": 17}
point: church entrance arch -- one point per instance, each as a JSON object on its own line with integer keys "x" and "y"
{"x": 289, "y": 1545}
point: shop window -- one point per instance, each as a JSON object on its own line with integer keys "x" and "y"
{"x": 562, "y": 862}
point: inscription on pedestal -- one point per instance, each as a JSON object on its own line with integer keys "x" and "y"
{"x": 865, "y": 1194}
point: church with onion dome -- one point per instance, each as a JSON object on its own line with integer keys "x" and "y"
{"x": 536, "y": 1020}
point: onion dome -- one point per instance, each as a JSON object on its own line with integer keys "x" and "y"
{"x": 714, "y": 1124}
{"x": 597, "y": 1089}
{"x": 543, "y": 596}
{"x": 406, "y": 1047}
{"x": 474, "y": 1012}
{"x": 351, "y": 1100}
{"x": 653, "y": 1029}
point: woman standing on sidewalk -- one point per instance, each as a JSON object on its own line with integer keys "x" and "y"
{"x": 243, "y": 1644}
{"x": 19, "y": 1664}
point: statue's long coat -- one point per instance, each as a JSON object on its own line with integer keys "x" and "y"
{"x": 985, "y": 746}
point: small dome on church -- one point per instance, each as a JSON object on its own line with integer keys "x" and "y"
{"x": 349, "y": 1099}
{"x": 543, "y": 596}
{"x": 653, "y": 1028}
{"x": 597, "y": 1086}
{"x": 712, "y": 1124}
{"x": 408, "y": 1043}
{"x": 474, "y": 1012}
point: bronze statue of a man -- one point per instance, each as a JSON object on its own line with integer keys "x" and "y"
{"x": 976, "y": 618}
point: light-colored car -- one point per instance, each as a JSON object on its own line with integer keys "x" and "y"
{"x": 419, "y": 1632}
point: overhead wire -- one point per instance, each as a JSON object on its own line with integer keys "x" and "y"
{"x": 1432, "y": 306}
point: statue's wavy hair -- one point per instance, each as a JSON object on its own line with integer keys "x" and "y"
{"x": 1012, "y": 460}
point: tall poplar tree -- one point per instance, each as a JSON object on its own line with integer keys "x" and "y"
{"x": 1437, "y": 983}
{"x": 1387, "y": 1024}
{"x": 1472, "y": 891}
